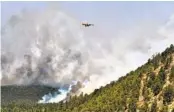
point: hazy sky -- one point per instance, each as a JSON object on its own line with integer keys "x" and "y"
{"x": 108, "y": 14}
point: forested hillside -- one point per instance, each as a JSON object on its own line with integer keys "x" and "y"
{"x": 24, "y": 94}
{"x": 150, "y": 88}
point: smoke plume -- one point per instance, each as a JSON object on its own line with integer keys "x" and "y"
{"x": 50, "y": 47}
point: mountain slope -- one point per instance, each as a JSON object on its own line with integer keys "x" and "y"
{"x": 23, "y": 94}
{"x": 150, "y": 88}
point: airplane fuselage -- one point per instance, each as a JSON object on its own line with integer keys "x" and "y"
{"x": 87, "y": 25}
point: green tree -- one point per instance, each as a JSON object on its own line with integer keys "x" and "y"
{"x": 168, "y": 94}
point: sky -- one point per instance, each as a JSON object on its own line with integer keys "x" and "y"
{"x": 106, "y": 15}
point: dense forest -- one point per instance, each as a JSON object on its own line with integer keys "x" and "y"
{"x": 150, "y": 88}
{"x": 24, "y": 94}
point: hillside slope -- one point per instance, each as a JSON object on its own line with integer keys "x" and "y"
{"x": 150, "y": 88}
{"x": 23, "y": 94}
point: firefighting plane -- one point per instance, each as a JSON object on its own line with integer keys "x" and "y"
{"x": 86, "y": 24}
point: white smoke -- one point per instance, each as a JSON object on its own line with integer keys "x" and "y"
{"x": 52, "y": 41}
{"x": 63, "y": 94}
{"x": 49, "y": 98}
{"x": 51, "y": 48}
